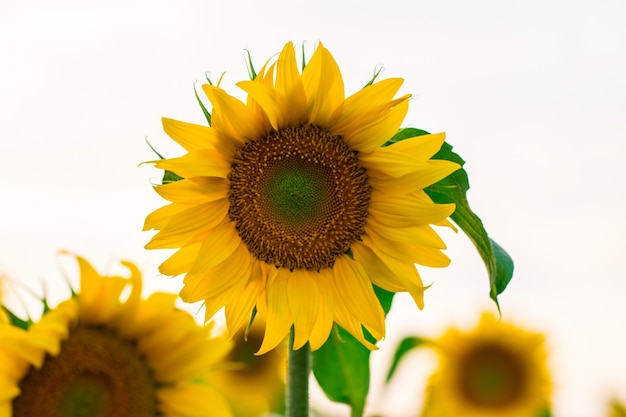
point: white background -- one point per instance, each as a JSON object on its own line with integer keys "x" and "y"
{"x": 531, "y": 93}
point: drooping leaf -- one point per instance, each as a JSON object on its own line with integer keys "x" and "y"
{"x": 406, "y": 345}
{"x": 342, "y": 365}
{"x": 453, "y": 189}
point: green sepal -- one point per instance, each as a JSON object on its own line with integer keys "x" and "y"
{"x": 453, "y": 189}
{"x": 251, "y": 72}
{"x": 169, "y": 176}
{"x": 16, "y": 321}
{"x": 206, "y": 113}
{"x": 406, "y": 345}
{"x": 377, "y": 72}
{"x": 342, "y": 365}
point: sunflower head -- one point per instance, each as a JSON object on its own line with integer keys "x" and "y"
{"x": 288, "y": 203}
{"x": 497, "y": 369}
{"x": 101, "y": 354}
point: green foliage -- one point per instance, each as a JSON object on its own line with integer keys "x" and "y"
{"x": 405, "y": 346}
{"x": 453, "y": 189}
{"x": 341, "y": 366}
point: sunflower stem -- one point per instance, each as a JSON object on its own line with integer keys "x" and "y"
{"x": 298, "y": 379}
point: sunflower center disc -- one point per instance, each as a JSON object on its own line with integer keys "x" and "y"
{"x": 492, "y": 376}
{"x": 96, "y": 374}
{"x": 298, "y": 197}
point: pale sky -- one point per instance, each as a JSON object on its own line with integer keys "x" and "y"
{"x": 532, "y": 94}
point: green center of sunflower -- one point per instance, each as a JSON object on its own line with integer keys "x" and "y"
{"x": 96, "y": 374}
{"x": 295, "y": 193}
{"x": 492, "y": 376}
{"x": 298, "y": 197}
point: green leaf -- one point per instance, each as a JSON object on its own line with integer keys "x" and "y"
{"x": 453, "y": 189}
{"x": 342, "y": 365}
{"x": 405, "y": 346}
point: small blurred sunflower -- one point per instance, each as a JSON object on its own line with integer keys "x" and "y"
{"x": 99, "y": 354}
{"x": 496, "y": 370}
{"x": 617, "y": 409}
{"x": 289, "y": 203}
{"x": 254, "y": 384}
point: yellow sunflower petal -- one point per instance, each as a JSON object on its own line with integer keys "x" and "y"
{"x": 405, "y": 272}
{"x": 324, "y": 320}
{"x": 417, "y": 235}
{"x": 182, "y": 260}
{"x": 379, "y": 273}
{"x": 396, "y": 164}
{"x": 185, "y": 226}
{"x": 402, "y": 211}
{"x": 279, "y": 318}
{"x": 355, "y": 289}
{"x": 421, "y": 147}
{"x": 424, "y": 175}
{"x": 204, "y": 163}
{"x": 238, "y": 311}
{"x": 374, "y": 131}
{"x": 194, "y": 190}
{"x": 345, "y": 319}
{"x": 267, "y": 99}
{"x": 190, "y": 136}
{"x": 303, "y": 296}
{"x": 219, "y": 245}
{"x": 159, "y": 217}
{"x": 232, "y": 117}
{"x": 409, "y": 252}
{"x": 233, "y": 271}
{"x": 289, "y": 86}
{"x": 369, "y": 101}
{"x": 324, "y": 88}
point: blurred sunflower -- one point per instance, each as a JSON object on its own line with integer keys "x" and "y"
{"x": 99, "y": 354}
{"x": 289, "y": 203}
{"x": 254, "y": 384}
{"x": 496, "y": 370}
{"x": 616, "y": 409}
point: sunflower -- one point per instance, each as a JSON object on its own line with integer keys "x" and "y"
{"x": 260, "y": 377}
{"x": 289, "y": 203}
{"x": 100, "y": 354}
{"x": 496, "y": 370}
{"x": 616, "y": 409}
